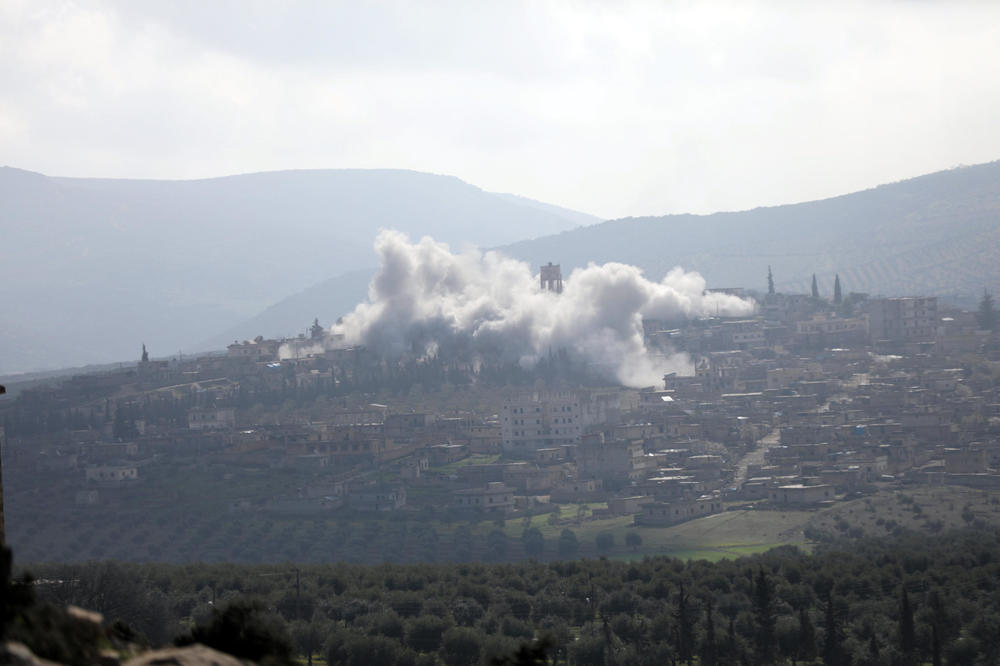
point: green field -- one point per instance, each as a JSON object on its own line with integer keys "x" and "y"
{"x": 726, "y": 535}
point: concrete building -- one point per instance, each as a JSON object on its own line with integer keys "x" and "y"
{"x": 622, "y": 506}
{"x": 212, "y": 419}
{"x": 821, "y": 330}
{"x": 257, "y": 349}
{"x": 578, "y": 490}
{"x": 801, "y": 494}
{"x": 531, "y": 420}
{"x": 496, "y": 497}
{"x": 743, "y": 333}
{"x": 551, "y": 278}
{"x": 902, "y": 319}
{"x": 671, "y": 513}
{"x": 622, "y": 459}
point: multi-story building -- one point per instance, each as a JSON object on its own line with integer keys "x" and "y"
{"x": 258, "y": 349}
{"x": 831, "y": 331}
{"x": 743, "y": 333}
{"x": 550, "y": 278}
{"x": 622, "y": 459}
{"x": 532, "y": 420}
{"x": 902, "y": 319}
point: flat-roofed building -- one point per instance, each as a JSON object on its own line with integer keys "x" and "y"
{"x": 496, "y": 497}
{"x": 798, "y": 493}
{"x": 902, "y": 319}
{"x": 531, "y": 420}
{"x": 671, "y": 513}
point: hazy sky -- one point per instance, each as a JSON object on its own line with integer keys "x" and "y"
{"x": 608, "y": 107}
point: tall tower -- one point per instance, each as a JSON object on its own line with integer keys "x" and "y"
{"x": 552, "y": 278}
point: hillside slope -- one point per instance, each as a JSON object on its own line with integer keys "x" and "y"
{"x": 97, "y": 266}
{"x": 937, "y": 234}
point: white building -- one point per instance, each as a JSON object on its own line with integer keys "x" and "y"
{"x": 538, "y": 419}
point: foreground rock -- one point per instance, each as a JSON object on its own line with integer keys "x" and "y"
{"x": 18, "y": 654}
{"x": 192, "y": 655}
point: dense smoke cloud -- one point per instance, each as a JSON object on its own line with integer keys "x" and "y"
{"x": 425, "y": 296}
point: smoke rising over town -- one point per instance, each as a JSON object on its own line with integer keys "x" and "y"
{"x": 425, "y": 296}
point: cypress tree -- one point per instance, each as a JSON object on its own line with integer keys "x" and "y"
{"x": 770, "y": 282}
{"x": 815, "y": 287}
{"x": 986, "y": 316}
{"x": 938, "y": 622}
{"x": 731, "y": 640}
{"x": 807, "y": 637}
{"x": 873, "y": 651}
{"x": 832, "y": 649}
{"x": 907, "y": 635}
{"x": 709, "y": 648}
{"x": 836, "y": 290}
{"x": 685, "y": 633}
{"x": 764, "y": 619}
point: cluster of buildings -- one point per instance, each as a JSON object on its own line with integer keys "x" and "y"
{"x": 800, "y": 405}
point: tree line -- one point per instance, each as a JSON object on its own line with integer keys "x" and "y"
{"x": 905, "y": 600}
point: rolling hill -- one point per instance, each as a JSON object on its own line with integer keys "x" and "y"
{"x": 937, "y": 234}
{"x": 95, "y": 267}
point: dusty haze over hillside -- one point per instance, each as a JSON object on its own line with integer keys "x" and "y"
{"x": 937, "y": 234}
{"x": 425, "y": 297}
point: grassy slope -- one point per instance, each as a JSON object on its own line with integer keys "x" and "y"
{"x": 177, "y": 533}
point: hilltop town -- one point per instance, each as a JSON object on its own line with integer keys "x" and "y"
{"x": 308, "y": 449}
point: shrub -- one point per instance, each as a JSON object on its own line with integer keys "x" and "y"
{"x": 461, "y": 646}
{"x": 424, "y": 633}
{"x": 245, "y": 629}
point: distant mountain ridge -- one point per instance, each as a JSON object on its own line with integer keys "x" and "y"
{"x": 216, "y": 259}
{"x": 937, "y": 234}
{"x": 98, "y": 266}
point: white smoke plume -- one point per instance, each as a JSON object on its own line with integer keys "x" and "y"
{"x": 424, "y": 296}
